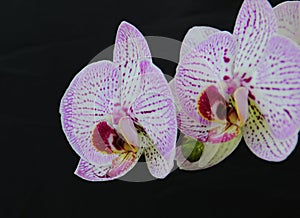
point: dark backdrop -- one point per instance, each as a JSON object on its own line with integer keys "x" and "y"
{"x": 43, "y": 45}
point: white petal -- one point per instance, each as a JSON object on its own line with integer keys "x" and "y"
{"x": 193, "y": 37}
{"x": 261, "y": 141}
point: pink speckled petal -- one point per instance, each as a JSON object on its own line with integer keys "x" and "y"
{"x": 288, "y": 19}
{"x": 130, "y": 82}
{"x": 91, "y": 95}
{"x": 159, "y": 165}
{"x": 210, "y": 62}
{"x": 189, "y": 126}
{"x": 262, "y": 142}
{"x": 277, "y": 87}
{"x": 91, "y": 172}
{"x": 130, "y": 50}
{"x": 153, "y": 80}
{"x": 143, "y": 76}
{"x": 196, "y": 129}
{"x": 117, "y": 168}
{"x": 155, "y": 112}
{"x": 254, "y": 26}
{"x": 130, "y": 44}
{"x": 193, "y": 37}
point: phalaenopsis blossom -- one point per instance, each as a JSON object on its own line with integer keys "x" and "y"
{"x": 113, "y": 112}
{"x": 241, "y": 84}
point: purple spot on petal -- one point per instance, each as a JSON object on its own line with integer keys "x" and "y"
{"x": 288, "y": 113}
{"x": 226, "y": 77}
{"x": 226, "y": 59}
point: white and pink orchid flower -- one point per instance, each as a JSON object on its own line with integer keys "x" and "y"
{"x": 233, "y": 85}
{"x": 113, "y": 112}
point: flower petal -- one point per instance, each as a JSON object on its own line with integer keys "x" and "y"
{"x": 254, "y": 26}
{"x": 155, "y": 113}
{"x": 159, "y": 165}
{"x": 261, "y": 141}
{"x": 210, "y": 62}
{"x": 91, "y": 172}
{"x": 143, "y": 77}
{"x": 91, "y": 95}
{"x": 153, "y": 80}
{"x": 186, "y": 124}
{"x": 172, "y": 85}
{"x": 130, "y": 45}
{"x": 288, "y": 19}
{"x": 190, "y": 127}
{"x": 119, "y": 167}
{"x": 193, "y": 37}
{"x": 130, "y": 49}
{"x": 276, "y": 87}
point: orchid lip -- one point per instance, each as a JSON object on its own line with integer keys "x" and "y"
{"x": 110, "y": 140}
{"x": 230, "y": 115}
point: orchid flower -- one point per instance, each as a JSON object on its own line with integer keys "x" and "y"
{"x": 230, "y": 86}
{"x": 113, "y": 112}
{"x": 288, "y": 19}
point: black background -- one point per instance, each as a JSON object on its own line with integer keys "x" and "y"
{"x": 43, "y": 45}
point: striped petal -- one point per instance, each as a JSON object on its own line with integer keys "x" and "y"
{"x": 92, "y": 95}
{"x": 288, "y": 19}
{"x": 210, "y": 155}
{"x": 276, "y": 87}
{"x": 91, "y": 172}
{"x": 208, "y": 64}
{"x": 186, "y": 124}
{"x": 153, "y": 80}
{"x": 130, "y": 81}
{"x": 155, "y": 113}
{"x": 119, "y": 167}
{"x": 145, "y": 77}
{"x": 262, "y": 142}
{"x": 172, "y": 85}
{"x": 130, "y": 45}
{"x": 154, "y": 109}
{"x": 193, "y": 128}
{"x": 193, "y": 37}
{"x": 130, "y": 50}
{"x": 254, "y": 26}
